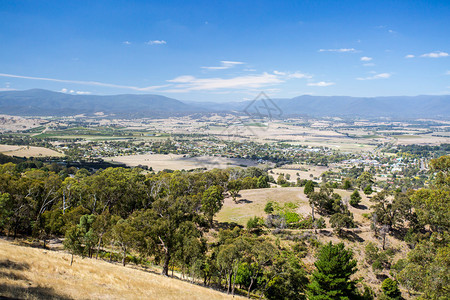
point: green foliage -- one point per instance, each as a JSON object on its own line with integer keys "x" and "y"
{"x": 281, "y": 180}
{"x": 268, "y": 209}
{"x": 287, "y": 279}
{"x": 6, "y": 211}
{"x": 355, "y": 198}
{"x": 433, "y": 208}
{"x": 331, "y": 279}
{"x": 234, "y": 187}
{"x": 390, "y": 290}
{"x": 212, "y": 201}
{"x": 339, "y": 221}
{"x": 378, "y": 259}
{"x": 309, "y": 187}
{"x": 347, "y": 184}
{"x": 255, "y": 223}
{"x": 368, "y": 190}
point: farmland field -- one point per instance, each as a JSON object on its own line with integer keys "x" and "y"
{"x": 159, "y": 162}
{"x": 28, "y": 151}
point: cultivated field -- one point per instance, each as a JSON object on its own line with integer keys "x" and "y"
{"x": 31, "y": 273}
{"x": 28, "y": 151}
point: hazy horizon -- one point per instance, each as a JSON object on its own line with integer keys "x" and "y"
{"x": 227, "y": 51}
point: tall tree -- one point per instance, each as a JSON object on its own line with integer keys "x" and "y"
{"x": 212, "y": 201}
{"x": 331, "y": 279}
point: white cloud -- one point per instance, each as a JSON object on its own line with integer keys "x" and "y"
{"x": 191, "y": 83}
{"x": 377, "y": 76}
{"x": 435, "y": 54}
{"x": 366, "y": 58}
{"x": 351, "y": 50}
{"x": 369, "y": 65}
{"x": 188, "y": 83}
{"x": 321, "y": 83}
{"x": 156, "y": 42}
{"x": 410, "y": 56}
{"x": 126, "y": 43}
{"x": 279, "y": 73}
{"x": 226, "y": 64}
{"x": 93, "y": 83}
{"x": 64, "y": 90}
{"x": 297, "y": 75}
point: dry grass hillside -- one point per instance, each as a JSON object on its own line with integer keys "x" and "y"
{"x": 31, "y": 273}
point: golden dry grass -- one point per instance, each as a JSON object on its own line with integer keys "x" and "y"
{"x": 28, "y": 151}
{"x": 31, "y": 273}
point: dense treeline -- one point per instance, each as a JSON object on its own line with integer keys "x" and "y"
{"x": 131, "y": 215}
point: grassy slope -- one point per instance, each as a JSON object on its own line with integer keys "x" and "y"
{"x": 31, "y": 273}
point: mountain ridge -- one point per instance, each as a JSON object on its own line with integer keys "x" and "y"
{"x": 40, "y": 102}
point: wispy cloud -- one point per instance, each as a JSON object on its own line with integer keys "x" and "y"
{"x": 64, "y": 90}
{"x": 189, "y": 83}
{"x": 321, "y": 83}
{"x": 366, "y": 58}
{"x": 289, "y": 75}
{"x": 92, "y": 83}
{"x": 156, "y": 42}
{"x": 369, "y": 65}
{"x": 225, "y": 64}
{"x": 350, "y": 50}
{"x": 377, "y": 76}
{"x": 410, "y": 56}
{"x": 435, "y": 54}
{"x": 447, "y": 73}
{"x": 127, "y": 43}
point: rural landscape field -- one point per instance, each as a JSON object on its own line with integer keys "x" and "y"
{"x": 218, "y": 150}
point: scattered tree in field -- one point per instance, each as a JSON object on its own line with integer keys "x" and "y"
{"x": 309, "y": 187}
{"x": 234, "y": 187}
{"x": 339, "y": 221}
{"x": 355, "y": 198}
{"x": 368, "y": 190}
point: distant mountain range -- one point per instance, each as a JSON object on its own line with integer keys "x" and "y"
{"x": 38, "y": 102}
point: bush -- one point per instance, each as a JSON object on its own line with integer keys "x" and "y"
{"x": 255, "y": 223}
{"x": 355, "y": 198}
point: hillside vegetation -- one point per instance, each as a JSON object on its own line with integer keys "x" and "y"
{"x": 300, "y": 240}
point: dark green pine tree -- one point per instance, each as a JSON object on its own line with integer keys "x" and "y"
{"x": 331, "y": 279}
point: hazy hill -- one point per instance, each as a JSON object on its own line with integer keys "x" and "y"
{"x": 44, "y": 103}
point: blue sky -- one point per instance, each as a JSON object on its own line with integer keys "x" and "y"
{"x": 227, "y": 50}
